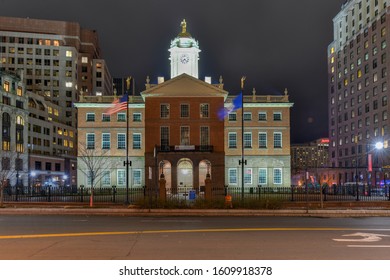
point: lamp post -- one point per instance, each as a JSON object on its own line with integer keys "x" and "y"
{"x": 356, "y": 168}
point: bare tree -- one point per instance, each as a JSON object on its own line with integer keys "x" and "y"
{"x": 93, "y": 163}
{"x": 6, "y": 173}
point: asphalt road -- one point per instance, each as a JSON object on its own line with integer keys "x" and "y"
{"x": 193, "y": 238}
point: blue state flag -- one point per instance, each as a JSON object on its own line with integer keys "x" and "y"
{"x": 231, "y": 107}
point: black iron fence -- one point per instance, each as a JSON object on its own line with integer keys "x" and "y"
{"x": 188, "y": 195}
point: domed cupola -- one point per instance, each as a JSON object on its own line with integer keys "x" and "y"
{"x": 184, "y": 53}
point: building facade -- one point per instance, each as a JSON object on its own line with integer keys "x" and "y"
{"x": 174, "y": 130}
{"x": 358, "y": 89}
{"x": 14, "y": 130}
{"x": 59, "y": 60}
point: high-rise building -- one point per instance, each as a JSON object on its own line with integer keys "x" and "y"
{"x": 358, "y": 89}
{"x": 59, "y": 61}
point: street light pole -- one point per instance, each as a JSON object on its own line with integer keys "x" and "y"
{"x": 356, "y": 168}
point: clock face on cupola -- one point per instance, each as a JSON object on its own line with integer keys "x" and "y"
{"x": 184, "y": 54}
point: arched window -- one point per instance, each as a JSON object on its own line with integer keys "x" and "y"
{"x": 6, "y": 131}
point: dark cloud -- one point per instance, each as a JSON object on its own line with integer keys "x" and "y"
{"x": 276, "y": 44}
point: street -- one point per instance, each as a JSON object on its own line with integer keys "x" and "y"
{"x": 190, "y": 238}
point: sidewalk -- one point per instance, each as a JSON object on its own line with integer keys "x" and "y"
{"x": 121, "y": 210}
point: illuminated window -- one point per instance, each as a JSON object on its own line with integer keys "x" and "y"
{"x": 68, "y": 84}
{"x": 204, "y": 110}
{"x": 164, "y": 111}
{"x": 332, "y": 50}
{"x": 68, "y": 53}
{"x": 56, "y": 112}
{"x": 6, "y": 86}
{"x": 84, "y": 59}
{"x": 56, "y": 43}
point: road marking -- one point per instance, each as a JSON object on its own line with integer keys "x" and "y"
{"x": 369, "y": 246}
{"x": 81, "y": 234}
{"x": 367, "y": 237}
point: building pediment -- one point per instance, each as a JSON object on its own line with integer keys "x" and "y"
{"x": 184, "y": 86}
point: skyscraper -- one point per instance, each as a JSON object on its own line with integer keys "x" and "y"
{"x": 358, "y": 93}
{"x": 58, "y": 61}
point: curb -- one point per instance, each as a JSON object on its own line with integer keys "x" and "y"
{"x": 195, "y": 212}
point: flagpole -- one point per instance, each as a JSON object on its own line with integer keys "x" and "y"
{"x": 243, "y": 162}
{"x": 127, "y": 162}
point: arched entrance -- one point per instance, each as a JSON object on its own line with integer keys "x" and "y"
{"x": 204, "y": 168}
{"x": 185, "y": 176}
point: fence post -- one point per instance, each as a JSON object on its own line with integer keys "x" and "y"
{"x": 81, "y": 193}
{"x": 48, "y": 193}
{"x": 113, "y": 193}
{"x": 292, "y": 192}
{"x": 17, "y": 193}
{"x": 259, "y": 189}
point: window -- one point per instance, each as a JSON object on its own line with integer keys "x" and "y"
{"x": 262, "y": 176}
{"x": 121, "y": 117}
{"x": 248, "y": 176}
{"x": 121, "y": 175}
{"x": 84, "y": 59}
{"x": 164, "y": 136}
{"x": 184, "y": 135}
{"x": 121, "y": 141}
{"x": 90, "y": 140}
{"x": 136, "y": 117}
{"x": 262, "y": 116}
{"x": 48, "y": 166}
{"x": 106, "y": 140}
{"x": 232, "y": 117}
{"x": 137, "y": 177}
{"x": 164, "y": 111}
{"x": 232, "y": 176}
{"x": 204, "y": 136}
{"x": 68, "y": 53}
{"x": 262, "y": 140}
{"x": 247, "y": 116}
{"x": 106, "y": 117}
{"x": 137, "y": 141}
{"x": 232, "y": 140}
{"x": 106, "y": 178}
{"x": 6, "y": 86}
{"x": 184, "y": 110}
{"x": 277, "y": 140}
{"x": 277, "y": 176}
{"x": 277, "y": 116}
{"x": 204, "y": 110}
{"x": 90, "y": 117}
{"x": 248, "y": 140}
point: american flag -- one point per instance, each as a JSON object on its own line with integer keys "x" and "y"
{"x": 118, "y": 105}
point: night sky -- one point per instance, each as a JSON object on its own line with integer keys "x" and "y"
{"x": 276, "y": 44}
